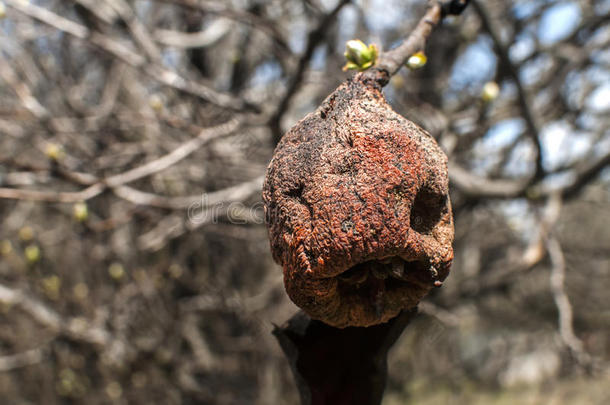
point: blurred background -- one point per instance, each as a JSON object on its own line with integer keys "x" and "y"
{"x": 134, "y": 261}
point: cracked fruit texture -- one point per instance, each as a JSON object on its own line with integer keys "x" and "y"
{"x": 358, "y": 211}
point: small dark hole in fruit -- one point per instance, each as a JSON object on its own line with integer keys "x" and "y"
{"x": 427, "y": 210}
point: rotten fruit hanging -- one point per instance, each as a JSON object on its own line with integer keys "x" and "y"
{"x": 358, "y": 210}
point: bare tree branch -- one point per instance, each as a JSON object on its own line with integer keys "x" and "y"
{"x": 116, "y": 48}
{"x": 152, "y": 167}
{"x": 23, "y": 359}
{"x": 526, "y": 109}
{"x": 315, "y": 37}
{"x": 562, "y": 301}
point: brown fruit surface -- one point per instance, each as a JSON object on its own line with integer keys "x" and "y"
{"x": 358, "y": 211}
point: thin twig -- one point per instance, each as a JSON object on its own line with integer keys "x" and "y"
{"x": 201, "y": 39}
{"x": 77, "y": 328}
{"x": 480, "y": 187}
{"x": 223, "y": 9}
{"x": 391, "y": 61}
{"x": 23, "y": 359}
{"x": 23, "y": 91}
{"x": 562, "y": 302}
{"x": 205, "y": 136}
{"x": 140, "y": 33}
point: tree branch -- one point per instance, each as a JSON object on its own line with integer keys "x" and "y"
{"x": 313, "y": 40}
{"x": 205, "y": 136}
{"x": 339, "y": 366}
{"x": 117, "y": 49}
{"x": 524, "y": 104}
{"x": 562, "y": 302}
{"x": 390, "y": 62}
{"x": 23, "y": 359}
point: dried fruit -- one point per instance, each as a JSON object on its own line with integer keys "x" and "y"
{"x": 358, "y": 211}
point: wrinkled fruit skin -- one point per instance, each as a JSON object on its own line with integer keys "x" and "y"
{"x": 358, "y": 211}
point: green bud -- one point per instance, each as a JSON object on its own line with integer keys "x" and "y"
{"x": 32, "y": 253}
{"x": 80, "y": 211}
{"x": 490, "y": 91}
{"x": 116, "y": 271}
{"x": 26, "y": 233}
{"x": 55, "y": 152}
{"x": 417, "y": 60}
{"x": 6, "y": 247}
{"x": 359, "y": 56}
{"x": 156, "y": 102}
{"x": 51, "y": 286}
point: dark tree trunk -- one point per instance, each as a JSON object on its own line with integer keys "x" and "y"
{"x": 339, "y": 366}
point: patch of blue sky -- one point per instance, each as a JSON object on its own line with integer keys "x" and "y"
{"x": 586, "y": 121}
{"x": 602, "y": 146}
{"x": 599, "y": 100}
{"x": 298, "y": 36}
{"x": 532, "y": 70}
{"x": 573, "y": 89}
{"x": 347, "y": 22}
{"x": 265, "y": 73}
{"x": 520, "y": 162}
{"x": 484, "y": 162}
{"x": 558, "y": 22}
{"x": 475, "y": 66}
{"x": 318, "y": 59}
{"x": 488, "y": 150}
{"x": 601, "y": 7}
{"x": 171, "y": 57}
{"x": 600, "y": 56}
{"x": 598, "y": 74}
{"x": 526, "y": 9}
{"x": 7, "y": 24}
{"x": 523, "y": 47}
{"x": 519, "y": 216}
{"x": 502, "y": 134}
{"x": 49, "y": 43}
{"x": 557, "y": 181}
{"x": 384, "y": 14}
{"x": 562, "y": 145}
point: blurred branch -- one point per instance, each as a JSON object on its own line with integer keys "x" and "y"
{"x": 315, "y": 37}
{"x": 138, "y": 30}
{"x": 244, "y": 17}
{"x": 23, "y": 359}
{"x": 210, "y": 35}
{"x": 205, "y": 136}
{"x": 481, "y": 187}
{"x": 585, "y": 177}
{"x": 532, "y": 255}
{"x": 478, "y": 187}
{"x": 120, "y": 51}
{"x": 174, "y": 156}
{"x": 526, "y": 109}
{"x": 235, "y": 193}
{"x": 391, "y": 61}
{"x": 23, "y": 91}
{"x": 77, "y": 328}
{"x": 562, "y": 302}
{"x": 209, "y": 208}
{"x": 103, "y": 10}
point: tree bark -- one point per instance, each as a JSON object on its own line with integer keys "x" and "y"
{"x": 339, "y": 366}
